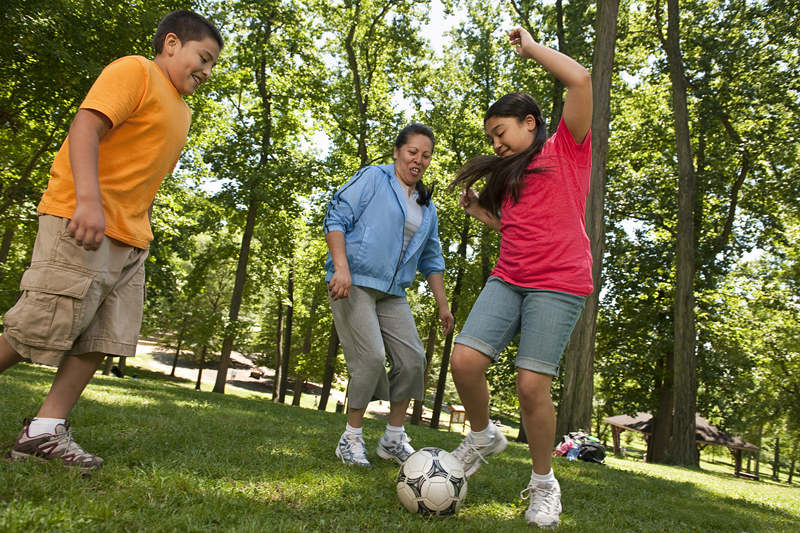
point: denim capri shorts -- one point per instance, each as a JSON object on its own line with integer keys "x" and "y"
{"x": 543, "y": 318}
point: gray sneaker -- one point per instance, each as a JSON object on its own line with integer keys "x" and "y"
{"x": 545, "y": 503}
{"x": 58, "y": 446}
{"x": 398, "y": 450}
{"x": 352, "y": 451}
{"x": 470, "y": 454}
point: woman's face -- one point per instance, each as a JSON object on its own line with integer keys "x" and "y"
{"x": 412, "y": 159}
{"x": 508, "y": 135}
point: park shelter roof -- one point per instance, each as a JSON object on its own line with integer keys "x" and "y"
{"x": 706, "y": 432}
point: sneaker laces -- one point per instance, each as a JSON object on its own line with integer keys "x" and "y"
{"x": 355, "y": 446}
{"x": 539, "y": 497}
{"x": 467, "y": 451}
{"x": 70, "y": 447}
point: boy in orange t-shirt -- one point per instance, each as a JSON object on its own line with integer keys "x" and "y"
{"x": 84, "y": 291}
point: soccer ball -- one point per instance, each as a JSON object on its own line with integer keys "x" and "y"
{"x": 432, "y": 482}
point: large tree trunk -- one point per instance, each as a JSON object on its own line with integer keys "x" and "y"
{"x": 448, "y": 343}
{"x": 419, "y": 405}
{"x": 683, "y": 448}
{"x": 327, "y": 380}
{"x": 662, "y": 418}
{"x": 575, "y": 406}
{"x": 238, "y": 294}
{"x": 287, "y": 337}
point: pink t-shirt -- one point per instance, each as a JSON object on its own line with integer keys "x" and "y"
{"x": 544, "y": 243}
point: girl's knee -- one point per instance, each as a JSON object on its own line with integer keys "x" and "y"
{"x": 467, "y": 363}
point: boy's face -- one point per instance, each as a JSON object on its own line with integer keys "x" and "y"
{"x": 188, "y": 64}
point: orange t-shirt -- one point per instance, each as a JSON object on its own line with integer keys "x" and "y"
{"x": 150, "y": 122}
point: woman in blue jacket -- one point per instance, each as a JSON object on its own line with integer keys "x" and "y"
{"x": 381, "y": 227}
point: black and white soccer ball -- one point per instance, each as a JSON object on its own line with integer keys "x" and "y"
{"x": 432, "y": 482}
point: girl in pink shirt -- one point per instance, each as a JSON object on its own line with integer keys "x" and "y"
{"x": 534, "y": 194}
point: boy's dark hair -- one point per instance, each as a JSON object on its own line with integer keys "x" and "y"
{"x": 505, "y": 176}
{"x": 403, "y": 138}
{"x": 187, "y": 26}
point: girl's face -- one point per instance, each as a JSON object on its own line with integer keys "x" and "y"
{"x": 412, "y": 159}
{"x": 510, "y": 136}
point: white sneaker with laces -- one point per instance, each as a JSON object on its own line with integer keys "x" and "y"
{"x": 470, "y": 454}
{"x": 545, "y": 503}
{"x": 399, "y": 450}
{"x": 352, "y": 450}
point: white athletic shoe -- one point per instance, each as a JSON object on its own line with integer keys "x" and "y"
{"x": 545, "y": 503}
{"x": 470, "y": 454}
{"x": 398, "y": 450}
{"x": 352, "y": 450}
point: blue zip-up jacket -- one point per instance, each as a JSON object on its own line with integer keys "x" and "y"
{"x": 371, "y": 212}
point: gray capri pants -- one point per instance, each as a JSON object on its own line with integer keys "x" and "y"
{"x": 372, "y": 324}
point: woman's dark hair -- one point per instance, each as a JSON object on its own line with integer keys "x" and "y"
{"x": 403, "y": 137}
{"x": 187, "y": 26}
{"x": 505, "y": 176}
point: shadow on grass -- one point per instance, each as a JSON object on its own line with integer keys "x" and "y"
{"x": 182, "y": 460}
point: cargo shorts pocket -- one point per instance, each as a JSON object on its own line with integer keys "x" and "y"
{"x": 48, "y": 313}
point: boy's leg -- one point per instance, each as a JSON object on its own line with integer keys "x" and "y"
{"x": 74, "y": 373}
{"x": 8, "y": 355}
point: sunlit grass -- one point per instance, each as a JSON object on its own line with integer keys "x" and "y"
{"x": 182, "y": 460}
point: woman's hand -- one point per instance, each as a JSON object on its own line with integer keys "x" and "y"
{"x": 447, "y": 320}
{"x": 339, "y": 285}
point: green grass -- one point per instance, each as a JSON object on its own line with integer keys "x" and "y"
{"x": 186, "y": 461}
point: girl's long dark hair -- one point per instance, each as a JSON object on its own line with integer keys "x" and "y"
{"x": 504, "y": 176}
{"x": 403, "y": 137}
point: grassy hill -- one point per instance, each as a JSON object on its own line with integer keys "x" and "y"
{"x": 178, "y": 460}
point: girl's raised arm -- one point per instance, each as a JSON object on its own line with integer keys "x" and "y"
{"x": 578, "y": 102}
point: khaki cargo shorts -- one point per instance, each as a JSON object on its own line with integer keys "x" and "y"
{"x": 76, "y": 301}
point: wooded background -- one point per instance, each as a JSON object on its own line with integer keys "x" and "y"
{"x": 693, "y": 213}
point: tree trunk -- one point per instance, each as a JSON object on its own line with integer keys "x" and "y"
{"x": 330, "y": 360}
{"x": 5, "y": 247}
{"x": 200, "y": 370}
{"x": 776, "y": 467}
{"x": 299, "y": 385}
{"x": 278, "y": 351}
{"x": 448, "y": 343}
{"x": 522, "y": 437}
{"x": 575, "y": 407}
{"x": 791, "y": 472}
{"x": 758, "y": 453}
{"x": 287, "y": 337}
{"x": 419, "y": 405}
{"x": 108, "y": 365}
{"x": 682, "y": 449}
{"x": 177, "y": 354}
{"x": 238, "y": 294}
{"x": 662, "y": 418}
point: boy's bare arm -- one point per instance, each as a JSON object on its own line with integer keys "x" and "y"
{"x": 88, "y": 221}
